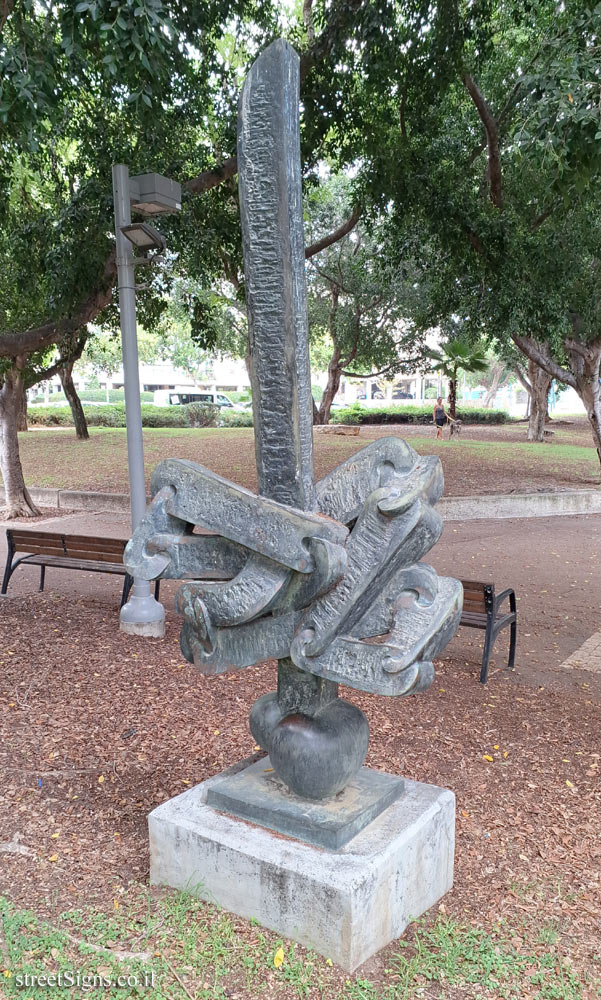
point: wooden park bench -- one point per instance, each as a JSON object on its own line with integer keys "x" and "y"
{"x": 48, "y": 548}
{"x": 481, "y": 609}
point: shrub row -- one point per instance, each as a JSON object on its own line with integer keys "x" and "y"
{"x": 92, "y": 396}
{"x": 191, "y": 415}
{"x": 357, "y": 414}
{"x": 236, "y": 418}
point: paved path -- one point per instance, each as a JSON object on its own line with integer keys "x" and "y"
{"x": 551, "y": 563}
{"x": 587, "y": 656}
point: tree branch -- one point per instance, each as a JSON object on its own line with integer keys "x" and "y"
{"x": 522, "y": 378}
{"x": 390, "y": 369}
{"x": 212, "y": 178}
{"x": 528, "y": 347}
{"x": 492, "y": 139}
{"x": 70, "y": 357}
{"x": 334, "y": 237}
{"x": 308, "y": 21}
{"x": 584, "y": 350}
{"x": 6, "y": 7}
{"x": 13, "y": 344}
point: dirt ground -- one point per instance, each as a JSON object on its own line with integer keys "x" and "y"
{"x": 495, "y": 459}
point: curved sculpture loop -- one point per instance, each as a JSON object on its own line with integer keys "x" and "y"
{"x": 341, "y": 594}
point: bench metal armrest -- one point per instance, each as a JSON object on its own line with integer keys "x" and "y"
{"x": 499, "y": 598}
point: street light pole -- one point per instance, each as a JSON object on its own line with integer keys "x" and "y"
{"x": 142, "y": 615}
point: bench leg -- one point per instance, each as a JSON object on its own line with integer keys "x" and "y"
{"x": 7, "y": 575}
{"x": 127, "y": 585}
{"x": 157, "y": 588}
{"x": 9, "y": 566}
{"x": 42, "y": 577}
{"x": 488, "y": 644}
{"x": 512, "y": 645}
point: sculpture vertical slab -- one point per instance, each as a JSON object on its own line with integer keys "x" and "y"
{"x": 271, "y": 212}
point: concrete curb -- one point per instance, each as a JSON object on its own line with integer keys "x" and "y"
{"x": 114, "y": 503}
{"x": 520, "y": 505}
{"x": 493, "y": 507}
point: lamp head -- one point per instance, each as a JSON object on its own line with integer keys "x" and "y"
{"x": 144, "y": 236}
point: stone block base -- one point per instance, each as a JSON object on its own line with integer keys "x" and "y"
{"x": 345, "y": 904}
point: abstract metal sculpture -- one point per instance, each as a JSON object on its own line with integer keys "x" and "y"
{"x": 324, "y": 576}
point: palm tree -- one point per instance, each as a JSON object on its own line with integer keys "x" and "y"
{"x": 454, "y": 357}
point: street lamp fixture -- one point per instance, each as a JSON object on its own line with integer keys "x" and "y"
{"x": 144, "y": 236}
{"x": 152, "y": 194}
{"x": 149, "y": 194}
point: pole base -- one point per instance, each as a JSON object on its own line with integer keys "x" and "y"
{"x": 143, "y": 615}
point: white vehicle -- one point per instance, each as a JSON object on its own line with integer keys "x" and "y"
{"x": 179, "y": 397}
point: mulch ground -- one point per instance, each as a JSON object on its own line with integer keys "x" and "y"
{"x": 97, "y": 728}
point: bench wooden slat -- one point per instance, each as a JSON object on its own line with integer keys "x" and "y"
{"x": 91, "y": 565}
{"x": 94, "y": 556}
{"x": 40, "y": 549}
{"x": 472, "y": 595}
{"x": 30, "y": 541}
{"x": 475, "y": 607}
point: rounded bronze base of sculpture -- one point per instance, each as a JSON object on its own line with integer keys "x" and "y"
{"x": 315, "y": 755}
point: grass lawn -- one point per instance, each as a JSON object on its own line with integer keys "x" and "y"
{"x": 483, "y": 460}
{"x": 176, "y": 947}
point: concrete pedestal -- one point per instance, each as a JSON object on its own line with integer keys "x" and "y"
{"x": 346, "y": 904}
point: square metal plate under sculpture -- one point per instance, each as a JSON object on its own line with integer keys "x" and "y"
{"x": 258, "y": 795}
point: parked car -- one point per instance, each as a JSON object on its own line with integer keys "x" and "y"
{"x": 180, "y": 398}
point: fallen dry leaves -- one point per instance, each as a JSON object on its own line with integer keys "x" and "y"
{"x": 97, "y": 728}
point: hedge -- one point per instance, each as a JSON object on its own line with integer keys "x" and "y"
{"x": 411, "y": 415}
{"x": 92, "y": 396}
{"x": 190, "y": 415}
{"x": 236, "y": 418}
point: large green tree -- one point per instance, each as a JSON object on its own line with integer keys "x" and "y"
{"x": 358, "y": 300}
{"x": 498, "y": 181}
{"x": 154, "y": 84}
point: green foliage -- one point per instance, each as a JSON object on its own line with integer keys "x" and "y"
{"x": 190, "y": 415}
{"x": 357, "y": 414}
{"x": 456, "y": 356}
{"x": 520, "y": 260}
{"x": 199, "y": 414}
{"x": 92, "y": 396}
{"x": 236, "y": 418}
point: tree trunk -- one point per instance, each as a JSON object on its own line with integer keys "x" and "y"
{"x": 332, "y": 387}
{"x": 452, "y": 397}
{"x": 22, "y": 408}
{"x": 540, "y": 383}
{"x": 497, "y": 370}
{"x": 585, "y": 363}
{"x": 591, "y": 397}
{"x": 79, "y": 417}
{"x": 18, "y": 502}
